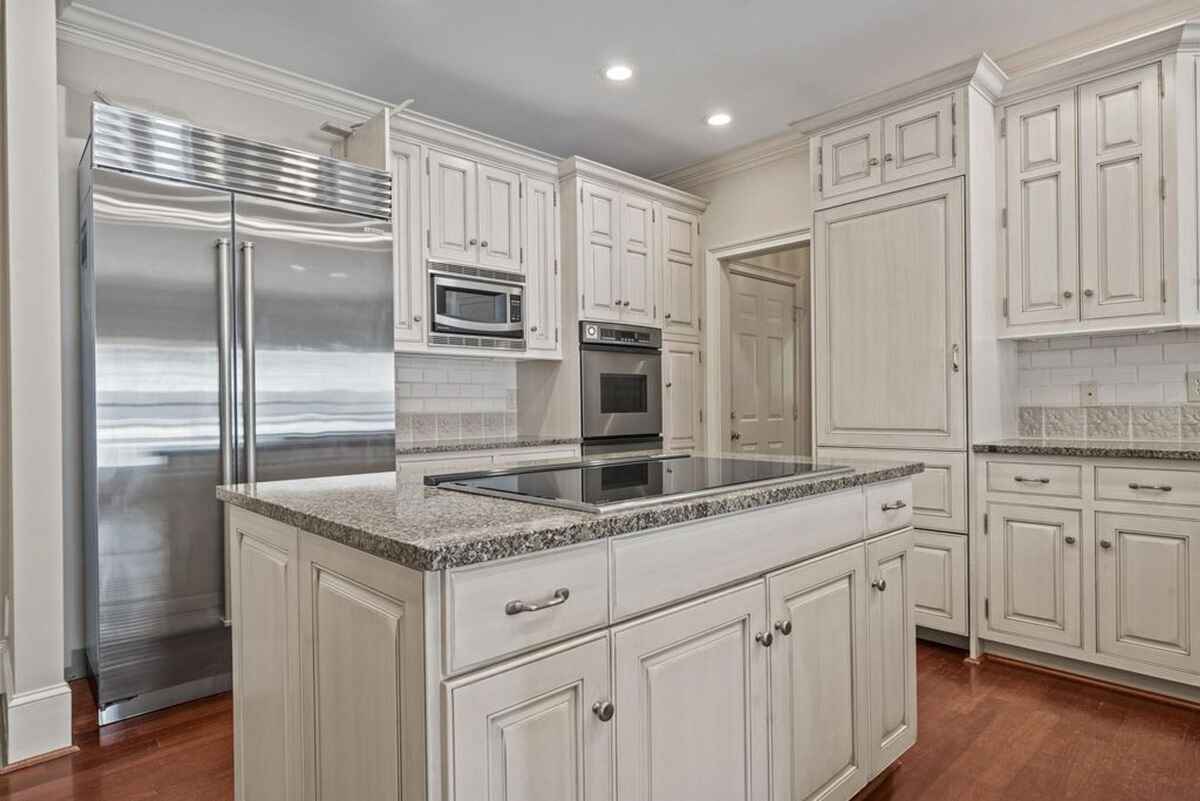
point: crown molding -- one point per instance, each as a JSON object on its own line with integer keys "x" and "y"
{"x": 740, "y": 159}
{"x": 577, "y": 166}
{"x": 439, "y": 132}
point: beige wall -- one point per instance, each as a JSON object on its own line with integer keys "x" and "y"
{"x": 768, "y": 199}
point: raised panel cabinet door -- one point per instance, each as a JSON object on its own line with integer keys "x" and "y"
{"x": 1034, "y": 573}
{"x": 939, "y": 580}
{"x": 526, "y": 730}
{"x": 889, "y": 321}
{"x": 499, "y": 219}
{"x": 682, "y": 272}
{"x": 541, "y": 266}
{"x": 818, "y": 614}
{"x": 1041, "y": 201}
{"x": 892, "y": 649}
{"x": 851, "y": 159}
{"x": 691, "y": 701}
{"x": 453, "y": 198}
{"x": 919, "y": 139}
{"x": 1120, "y": 211}
{"x": 683, "y": 393}
{"x": 266, "y": 658}
{"x": 410, "y": 309}
{"x": 601, "y": 260}
{"x": 639, "y": 271}
{"x": 1148, "y": 589}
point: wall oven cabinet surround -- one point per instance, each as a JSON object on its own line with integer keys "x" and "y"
{"x": 1101, "y": 571}
{"x": 785, "y": 671}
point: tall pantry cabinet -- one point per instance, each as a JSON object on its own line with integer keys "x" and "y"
{"x": 903, "y": 239}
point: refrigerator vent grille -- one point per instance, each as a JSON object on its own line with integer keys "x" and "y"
{"x": 475, "y": 272}
{"x": 459, "y": 341}
{"x": 135, "y": 142}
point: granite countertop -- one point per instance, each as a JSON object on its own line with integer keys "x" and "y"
{"x": 482, "y": 444}
{"x": 1094, "y": 448}
{"x": 396, "y": 517}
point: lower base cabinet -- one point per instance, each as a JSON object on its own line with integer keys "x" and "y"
{"x": 891, "y": 650}
{"x": 939, "y": 581}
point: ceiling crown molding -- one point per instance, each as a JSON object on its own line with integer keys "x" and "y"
{"x": 740, "y": 159}
{"x": 592, "y": 170}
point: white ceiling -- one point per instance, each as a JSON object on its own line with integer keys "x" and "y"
{"x": 529, "y": 70}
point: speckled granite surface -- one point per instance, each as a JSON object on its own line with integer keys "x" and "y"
{"x": 482, "y": 444}
{"x": 396, "y": 517}
{"x": 1093, "y": 448}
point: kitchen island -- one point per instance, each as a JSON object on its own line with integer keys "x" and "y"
{"x": 394, "y": 640}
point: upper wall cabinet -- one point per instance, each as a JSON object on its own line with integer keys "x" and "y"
{"x": 541, "y": 257}
{"x": 682, "y": 274}
{"x": 1084, "y": 198}
{"x": 410, "y": 292}
{"x": 474, "y": 213}
{"x": 906, "y": 146}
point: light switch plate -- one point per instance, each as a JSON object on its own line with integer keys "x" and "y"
{"x": 1193, "y": 386}
{"x": 1089, "y": 393}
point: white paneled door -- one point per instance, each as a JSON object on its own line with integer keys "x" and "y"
{"x": 600, "y": 277}
{"x": 762, "y": 365}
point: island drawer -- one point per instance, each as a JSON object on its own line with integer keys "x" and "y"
{"x": 1035, "y": 478}
{"x": 500, "y": 608}
{"x": 889, "y": 506}
{"x": 655, "y": 568}
{"x": 1157, "y": 485}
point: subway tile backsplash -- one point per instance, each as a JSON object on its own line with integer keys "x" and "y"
{"x": 451, "y": 398}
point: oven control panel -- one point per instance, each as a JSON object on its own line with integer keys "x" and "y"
{"x": 598, "y": 333}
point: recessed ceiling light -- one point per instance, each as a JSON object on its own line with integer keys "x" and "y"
{"x": 718, "y": 119}
{"x": 618, "y": 72}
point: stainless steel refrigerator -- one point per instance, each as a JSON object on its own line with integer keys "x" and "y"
{"x": 236, "y": 303}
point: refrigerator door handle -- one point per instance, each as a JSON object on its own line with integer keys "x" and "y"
{"x": 248, "y": 399}
{"x": 225, "y": 357}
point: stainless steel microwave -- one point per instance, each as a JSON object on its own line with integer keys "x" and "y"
{"x": 472, "y": 302}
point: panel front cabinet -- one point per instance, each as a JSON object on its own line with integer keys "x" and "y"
{"x": 691, "y": 700}
{"x": 1148, "y": 589}
{"x": 541, "y": 268}
{"x": 409, "y": 308}
{"x": 1034, "y": 578}
{"x": 682, "y": 270}
{"x": 474, "y": 213}
{"x": 683, "y": 395}
{"x": 528, "y": 732}
{"x": 892, "y": 650}
{"x": 939, "y": 581}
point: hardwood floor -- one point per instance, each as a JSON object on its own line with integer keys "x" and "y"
{"x": 988, "y": 732}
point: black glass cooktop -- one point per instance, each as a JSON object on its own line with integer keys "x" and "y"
{"x": 604, "y": 486}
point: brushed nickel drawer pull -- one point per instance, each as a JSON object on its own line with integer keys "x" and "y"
{"x": 891, "y": 507}
{"x": 1023, "y": 480}
{"x": 517, "y": 607}
{"x": 1133, "y": 485}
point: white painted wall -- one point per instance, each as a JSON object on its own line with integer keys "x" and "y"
{"x": 768, "y": 199}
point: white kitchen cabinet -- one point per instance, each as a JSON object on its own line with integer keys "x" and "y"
{"x": 601, "y": 263}
{"x": 409, "y": 267}
{"x": 890, "y": 320}
{"x": 1034, "y": 578}
{"x": 850, "y": 159}
{"x": 691, "y": 700}
{"x": 939, "y": 493}
{"x": 541, "y": 301}
{"x": 528, "y": 731}
{"x": 1148, "y": 589}
{"x": 1120, "y": 208}
{"x": 819, "y": 700}
{"x": 892, "y": 650}
{"x": 682, "y": 274}
{"x": 939, "y": 581}
{"x": 639, "y": 273}
{"x": 474, "y": 213}
{"x": 683, "y": 395}
{"x": 919, "y": 139}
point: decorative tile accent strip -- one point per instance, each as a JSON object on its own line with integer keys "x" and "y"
{"x": 1107, "y": 422}
{"x": 448, "y": 399}
{"x": 1156, "y": 422}
{"x": 1064, "y": 422}
{"x": 1145, "y": 423}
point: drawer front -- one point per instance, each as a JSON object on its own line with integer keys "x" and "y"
{"x": 889, "y": 507}
{"x": 1033, "y": 478}
{"x": 656, "y": 568}
{"x": 939, "y": 581}
{"x": 1155, "y": 485}
{"x": 500, "y": 608}
{"x": 939, "y": 499}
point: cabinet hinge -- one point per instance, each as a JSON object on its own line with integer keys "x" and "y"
{"x": 1003, "y": 127}
{"x": 1162, "y": 83}
{"x": 556, "y": 198}
{"x": 702, "y": 415}
{"x": 953, "y": 111}
{"x": 583, "y": 301}
{"x": 1004, "y": 217}
{"x": 985, "y": 523}
{"x": 1004, "y": 308}
{"x": 1163, "y": 284}
{"x": 521, "y": 252}
{"x": 556, "y": 266}
{"x": 953, "y": 147}
{"x": 428, "y": 238}
{"x": 1162, "y": 187}
{"x": 699, "y": 323}
{"x": 427, "y": 165}
{"x": 820, "y": 182}
{"x": 581, "y": 196}
{"x": 987, "y": 609}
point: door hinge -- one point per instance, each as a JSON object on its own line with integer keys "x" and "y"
{"x": 653, "y": 217}
{"x": 795, "y": 412}
{"x": 820, "y": 156}
{"x": 1003, "y": 127}
{"x": 556, "y": 335}
{"x": 1162, "y": 187}
{"x": 700, "y": 356}
{"x": 987, "y": 609}
{"x": 953, "y": 111}
{"x": 698, "y": 231}
{"x": 583, "y": 301}
{"x": 1004, "y": 217}
{"x": 1004, "y": 308}
{"x": 520, "y": 190}
{"x": 655, "y": 315}
{"x": 985, "y": 523}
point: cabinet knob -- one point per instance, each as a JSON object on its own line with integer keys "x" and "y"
{"x": 416, "y": 318}
{"x": 626, "y": 303}
{"x": 872, "y": 162}
{"x": 474, "y": 242}
{"x": 533, "y": 329}
{"x": 1070, "y": 540}
{"x": 735, "y": 435}
{"x": 483, "y": 244}
{"x": 616, "y": 301}
{"x": 764, "y": 638}
{"x": 668, "y": 385}
{"x": 604, "y": 710}
{"x": 784, "y": 627}
{"x": 1068, "y": 294}
{"x": 880, "y": 584}
{"x": 1105, "y": 544}
{"x": 667, "y": 316}
{"x": 1087, "y": 293}
{"x": 887, "y": 156}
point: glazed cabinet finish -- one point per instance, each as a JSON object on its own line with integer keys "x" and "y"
{"x": 601, "y": 262}
{"x": 892, "y": 654}
{"x": 499, "y": 210}
{"x": 682, "y": 268}
{"x": 691, "y": 694}
{"x": 939, "y": 581}
{"x": 889, "y": 320}
{"x": 639, "y": 276}
{"x": 474, "y": 213}
{"x": 527, "y": 732}
{"x": 541, "y": 304}
{"x": 850, "y": 159}
{"x": 410, "y": 290}
{"x": 683, "y": 395}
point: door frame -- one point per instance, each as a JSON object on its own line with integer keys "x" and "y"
{"x": 716, "y": 427}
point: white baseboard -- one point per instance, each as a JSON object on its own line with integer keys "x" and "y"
{"x": 39, "y": 722}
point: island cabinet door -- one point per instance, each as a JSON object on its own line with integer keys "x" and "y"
{"x": 818, "y": 613}
{"x": 691, "y": 701}
{"x": 892, "y": 644}
{"x": 538, "y": 729}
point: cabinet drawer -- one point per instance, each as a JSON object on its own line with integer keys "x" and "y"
{"x": 482, "y": 616}
{"x": 1032, "y": 478}
{"x": 889, "y": 507}
{"x": 939, "y": 581}
{"x": 939, "y": 494}
{"x": 1174, "y": 487}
